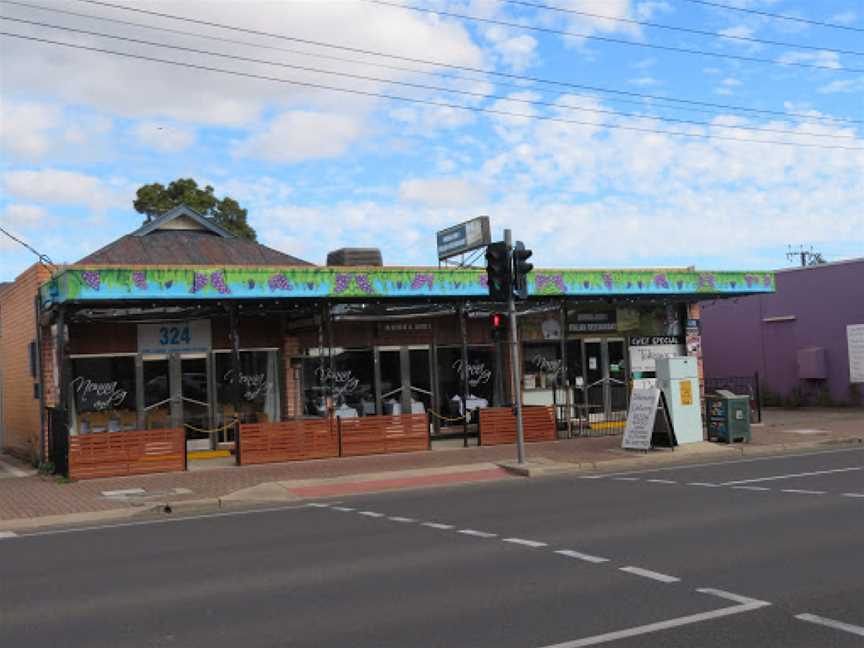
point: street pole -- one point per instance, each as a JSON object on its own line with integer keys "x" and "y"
{"x": 514, "y": 362}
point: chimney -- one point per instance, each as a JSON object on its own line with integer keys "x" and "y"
{"x": 355, "y": 257}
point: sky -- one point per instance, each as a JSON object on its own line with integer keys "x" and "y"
{"x": 590, "y": 171}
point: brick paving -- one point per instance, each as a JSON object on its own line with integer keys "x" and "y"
{"x": 37, "y": 496}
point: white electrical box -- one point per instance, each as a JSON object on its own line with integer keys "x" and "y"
{"x": 678, "y": 378}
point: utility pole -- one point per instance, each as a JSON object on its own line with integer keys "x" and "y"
{"x": 806, "y": 257}
{"x": 514, "y": 363}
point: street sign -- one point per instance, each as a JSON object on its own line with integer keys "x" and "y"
{"x": 464, "y": 237}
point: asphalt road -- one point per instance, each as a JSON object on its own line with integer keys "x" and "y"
{"x": 710, "y": 555}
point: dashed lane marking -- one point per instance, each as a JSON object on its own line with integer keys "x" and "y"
{"x": 831, "y": 623}
{"x": 477, "y": 534}
{"x": 706, "y": 484}
{"x": 751, "y": 488}
{"x": 743, "y": 604}
{"x": 853, "y": 494}
{"x": 792, "y": 476}
{"x": 626, "y": 478}
{"x": 801, "y": 491}
{"x": 399, "y": 518}
{"x": 581, "y": 556}
{"x": 647, "y": 573}
{"x": 534, "y": 544}
{"x": 344, "y": 509}
{"x": 438, "y": 525}
{"x": 372, "y": 514}
{"x": 7, "y": 534}
{"x": 318, "y": 505}
{"x": 661, "y": 481}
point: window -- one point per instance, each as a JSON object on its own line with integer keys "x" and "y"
{"x": 259, "y": 387}
{"x": 481, "y": 372}
{"x": 541, "y": 365}
{"x": 103, "y": 394}
{"x": 350, "y": 380}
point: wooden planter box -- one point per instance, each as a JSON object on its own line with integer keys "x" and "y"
{"x": 498, "y": 425}
{"x": 383, "y": 434}
{"x": 288, "y": 441}
{"x": 118, "y": 454}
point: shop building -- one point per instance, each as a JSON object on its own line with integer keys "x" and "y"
{"x": 181, "y": 327}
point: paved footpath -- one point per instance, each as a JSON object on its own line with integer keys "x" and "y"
{"x": 671, "y": 557}
{"x": 36, "y": 500}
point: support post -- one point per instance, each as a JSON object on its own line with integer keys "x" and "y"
{"x": 465, "y": 387}
{"x": 514, "y": 362}
{"x": 234, "y": 334}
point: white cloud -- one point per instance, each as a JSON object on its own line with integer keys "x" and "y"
{"x": 163, "y": 137}
{"x": 302, "y": 135}
{"x": 821, "y": 58}
{"x": 844, "y": 18}
{"x": 738, "y": 31}
{"x": 645, "y": 81}
{"x": 57, "y": 187}
{"x": 843, "y": 85}
{"x": 441, "y": 192}
{"x": 24, "y": 216}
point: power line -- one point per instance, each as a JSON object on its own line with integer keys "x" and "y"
{"x": 43, "y": 258}
{"x": 768, "y": 14}
{"x": 421, "y": 86}
{"x": 451, "y": 66}
{"x": 428, "y": 102}
{"x": 688, "y": 30}
{"x": 609, "y": 39}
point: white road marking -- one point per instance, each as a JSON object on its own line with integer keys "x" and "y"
{"x": 8, "y": 534}
{"x": 731, "y": 462}
{"x": 853, "y": 494}
{"x": 344, "y": 509}
{"x": 581, "y": 556}
{"x": 398, "y": 518}
{"x": 626, "y": 478}
{"x": 372, "y": 514}
{"x": 792, "y": 476}
{"x": 830, "y": 623}
{"x": 477, "y": 534}
{"x": 751, "y": 488}
{"x": 706, "y": 484}
{"x": 647, "y": 573}
{"x": 318, "y": 505}
{"x": 744, "y": 604}
{"x": 534, "y": 544}
{"x": 125, "y": 491}
{"x": 13, "y": 470}
{"x": 801, "y": 491}
{"x": 438, "y": 525}
{"x": 661, "y": 481}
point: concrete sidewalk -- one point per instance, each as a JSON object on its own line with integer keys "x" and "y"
{"x": 40, "y": 500}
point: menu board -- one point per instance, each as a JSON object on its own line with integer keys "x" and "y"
{"x": 640, "y": 419}
{"x": 855, "y": 339}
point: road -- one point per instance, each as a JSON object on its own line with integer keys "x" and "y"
{"x": 764, "y": 552}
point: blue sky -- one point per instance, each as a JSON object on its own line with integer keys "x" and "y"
{"x": 318, "y": 170}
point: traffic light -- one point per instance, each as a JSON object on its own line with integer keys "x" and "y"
{"x": 497, "y": 323}
{"x": 521, "y": 268}
{"x": 499, "y": 271}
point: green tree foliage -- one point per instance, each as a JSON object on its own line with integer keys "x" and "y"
{"x": 155, "y": 199}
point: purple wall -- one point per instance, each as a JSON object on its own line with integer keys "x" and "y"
{"x": 738, "y": 341}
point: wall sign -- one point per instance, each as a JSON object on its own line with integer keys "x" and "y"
{"x": 463, "y": 237}
{"x": 404, "y": 327}
{"x": 855, "y": 339}
{"x": 646, "y": 349}
{"x": 592, "y": 322}
{"x": 175, "y": 337}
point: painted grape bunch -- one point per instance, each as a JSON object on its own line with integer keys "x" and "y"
{"x": 484, "y": 281}
{"x": 199, "y": 281}
{"x": 217, "y": 280}
{"x": 363, "y": 283}
{"x": 343, "y": 281}
{"x": 422, "y": 279}
{"x": 550, "y": 282}
{"x": 706, "y": 281}
{"x": 92, "y": 279}
{"x": 607, "y": 280}
{"x": 750, "y": 280}
{"x": 660, "y": 281}
{"x": 140, "y": 280}
{"x": 279, "y": 282}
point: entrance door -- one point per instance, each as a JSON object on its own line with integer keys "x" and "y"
{"x": 595, "y": 383}
{"x": 404, "y": 380}
{"x": 159, "y": 409}
{"x": 195, "y": 401}
{"x": 616, "y": 402}
{"x": 606, "y": 379}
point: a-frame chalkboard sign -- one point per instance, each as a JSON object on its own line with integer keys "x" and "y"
{"x": 644, "y": 428}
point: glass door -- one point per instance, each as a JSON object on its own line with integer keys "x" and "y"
{"x": 616, "y": 402}
{"x": 160, "y": 409}
{"x": 195, "y": 401}
{"x": 404, "y": 380}
{"x": 595, "y": 382}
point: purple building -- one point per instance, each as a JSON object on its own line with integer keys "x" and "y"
{"x": 796, "y": 338}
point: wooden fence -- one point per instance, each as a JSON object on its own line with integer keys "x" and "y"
{"x": 498, "y": 424}
{"x": 288, "y": 441}
{"x": 117, "y": 454}
{"x": 383, "y": 434}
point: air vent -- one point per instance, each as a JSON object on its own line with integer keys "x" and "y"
{"x": 355, "y": 257}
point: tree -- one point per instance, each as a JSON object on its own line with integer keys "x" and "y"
{"x": 155, "y": 199}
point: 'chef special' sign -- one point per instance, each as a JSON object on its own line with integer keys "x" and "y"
{"x": 646, "y": 349}
{"x": 175, "y": 337}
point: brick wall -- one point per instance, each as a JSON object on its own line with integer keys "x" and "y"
{"x": 20, "y": 409}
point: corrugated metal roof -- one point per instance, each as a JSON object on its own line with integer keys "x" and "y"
{"x": 188, "y": 247}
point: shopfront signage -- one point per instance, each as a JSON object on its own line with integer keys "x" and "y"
{"x": 404, "y": 327}
{"x": 476, "y": 372}
{"x": 464, "y": 237}
{"x": 95, "y": 396}
{"x": 592, "y": 322}
{"x": 640, "y": 419}
{"x": 175, "y": 337}
{"x": 855, "y": 339}
{"x": 646, "y": 349}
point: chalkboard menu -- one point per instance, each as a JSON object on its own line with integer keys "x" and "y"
{"x": 644, "y": 428}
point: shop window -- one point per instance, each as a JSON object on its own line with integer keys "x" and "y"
{"x": 102, "y": 395}
{"x": 157, "y": 393}
{"x": 541, "y": 365}
{"x": 575, "y": 372}
{"x": 481, "y": 374}
{"x": 259, "y": 389}
{"x": 349, "y": 380}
